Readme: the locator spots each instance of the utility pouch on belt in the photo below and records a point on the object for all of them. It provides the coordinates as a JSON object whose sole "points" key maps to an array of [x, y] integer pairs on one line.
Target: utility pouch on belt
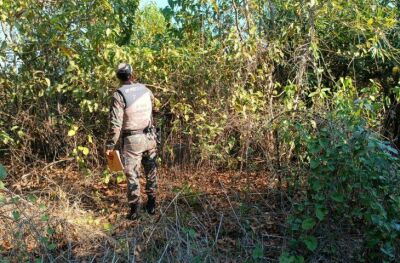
{"points": [[152, 133]]}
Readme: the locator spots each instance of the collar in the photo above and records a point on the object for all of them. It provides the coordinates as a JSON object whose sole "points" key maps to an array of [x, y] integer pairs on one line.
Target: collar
{"points": [[128, 82]]}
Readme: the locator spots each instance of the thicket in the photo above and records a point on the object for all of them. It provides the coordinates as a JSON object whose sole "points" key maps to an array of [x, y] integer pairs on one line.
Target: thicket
{"points": [[308, 90]]}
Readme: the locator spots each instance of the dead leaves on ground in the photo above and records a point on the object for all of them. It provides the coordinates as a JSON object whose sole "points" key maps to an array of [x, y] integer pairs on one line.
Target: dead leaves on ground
{"points": [[88, 210]]}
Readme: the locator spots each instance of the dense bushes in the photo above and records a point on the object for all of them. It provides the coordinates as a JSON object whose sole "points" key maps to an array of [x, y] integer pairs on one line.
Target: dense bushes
{"points": [[346, 202], [250, 85], [247, 64], [353, 182]]}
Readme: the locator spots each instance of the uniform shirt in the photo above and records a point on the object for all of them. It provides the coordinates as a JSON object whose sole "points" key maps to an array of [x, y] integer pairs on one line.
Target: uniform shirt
{"points": [[132, 113]]}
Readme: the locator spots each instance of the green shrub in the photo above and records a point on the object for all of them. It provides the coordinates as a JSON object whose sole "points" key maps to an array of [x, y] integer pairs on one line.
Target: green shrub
{"points": [[353, 181]]}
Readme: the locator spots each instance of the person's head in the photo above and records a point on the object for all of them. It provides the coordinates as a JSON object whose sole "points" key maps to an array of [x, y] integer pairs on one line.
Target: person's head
{"points": [[124, 72]]}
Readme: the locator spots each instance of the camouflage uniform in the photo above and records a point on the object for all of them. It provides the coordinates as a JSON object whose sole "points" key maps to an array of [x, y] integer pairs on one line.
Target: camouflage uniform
{"points": [[138, 147]]}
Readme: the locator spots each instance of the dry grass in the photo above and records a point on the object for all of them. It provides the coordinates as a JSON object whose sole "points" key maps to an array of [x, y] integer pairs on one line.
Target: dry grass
{"points": [[203, 217]]}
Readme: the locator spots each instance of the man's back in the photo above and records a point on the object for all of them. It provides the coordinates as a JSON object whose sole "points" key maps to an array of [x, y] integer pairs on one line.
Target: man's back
{"points": [[138, 106]]}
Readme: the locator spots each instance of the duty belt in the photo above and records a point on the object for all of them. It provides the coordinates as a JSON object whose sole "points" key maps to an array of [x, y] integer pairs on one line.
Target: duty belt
{"points": [[129, 133]]}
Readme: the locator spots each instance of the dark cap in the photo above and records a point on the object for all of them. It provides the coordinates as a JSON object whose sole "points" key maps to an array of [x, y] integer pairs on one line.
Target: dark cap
{"points": [[124, 71], [124, 68]]}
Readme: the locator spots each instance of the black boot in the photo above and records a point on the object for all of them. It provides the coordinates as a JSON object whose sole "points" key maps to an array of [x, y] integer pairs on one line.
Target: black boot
{"points": [[134, 212], [151, 205]]}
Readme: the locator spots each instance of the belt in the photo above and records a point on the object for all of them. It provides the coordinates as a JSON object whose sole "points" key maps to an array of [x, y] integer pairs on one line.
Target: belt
{"points": [[129, 133]]}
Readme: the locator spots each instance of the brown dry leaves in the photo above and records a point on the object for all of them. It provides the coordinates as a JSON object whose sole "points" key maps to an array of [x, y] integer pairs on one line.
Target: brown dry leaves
{"points": [[225, 214]]}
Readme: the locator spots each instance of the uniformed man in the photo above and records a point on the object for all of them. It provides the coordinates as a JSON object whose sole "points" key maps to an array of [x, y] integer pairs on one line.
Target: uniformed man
{"points": [[131, 118]]}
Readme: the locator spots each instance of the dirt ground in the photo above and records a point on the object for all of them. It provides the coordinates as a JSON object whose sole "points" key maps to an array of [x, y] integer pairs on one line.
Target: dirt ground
{"points": [[202, 216]]}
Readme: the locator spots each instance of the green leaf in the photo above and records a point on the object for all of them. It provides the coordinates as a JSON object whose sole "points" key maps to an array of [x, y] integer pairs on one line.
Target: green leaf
{"points": [[50, 231], [287, 258], [107, 226], [396, 226], [192, 233], [314, 164], [44, 218], [338, 197], [388, 250], [120, 178], [308, 223], [316, 185], [47, 82], [2, 186], [16, 215], [32, 198], [3, 172], [73, 130], [85, 150], [106, 178], [319, 197], [257, 253], [310, 242], [320, 213], [51, 246], [71, 133], [44, 240], [313, 147]]}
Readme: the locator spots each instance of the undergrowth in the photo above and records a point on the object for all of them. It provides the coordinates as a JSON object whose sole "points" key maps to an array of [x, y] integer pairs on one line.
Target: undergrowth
{"points": [[213, 218], [350, 191]]}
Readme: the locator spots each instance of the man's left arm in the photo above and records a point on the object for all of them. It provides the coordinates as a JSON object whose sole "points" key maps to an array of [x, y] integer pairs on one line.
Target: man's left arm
{"points": [[116, 120]]}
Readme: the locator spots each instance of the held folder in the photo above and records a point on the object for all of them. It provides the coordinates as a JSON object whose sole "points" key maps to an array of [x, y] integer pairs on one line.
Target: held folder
{"points": [[114, 161]]}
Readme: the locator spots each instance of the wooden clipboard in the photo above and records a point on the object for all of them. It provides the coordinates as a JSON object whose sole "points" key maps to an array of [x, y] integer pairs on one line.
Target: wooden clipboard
{"points": [[114, 161]]}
